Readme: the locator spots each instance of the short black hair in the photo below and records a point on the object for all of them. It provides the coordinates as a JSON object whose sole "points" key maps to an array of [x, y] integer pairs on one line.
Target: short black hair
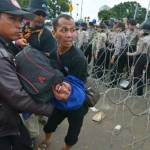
{"points": [[120, 25], [103, 26], [40, 13], [56, 20], [132, 22], [91, 24]]}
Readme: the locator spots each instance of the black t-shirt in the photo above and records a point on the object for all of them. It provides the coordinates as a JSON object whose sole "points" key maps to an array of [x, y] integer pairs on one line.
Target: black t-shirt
{"points": [[44, 42], [74, 62]]}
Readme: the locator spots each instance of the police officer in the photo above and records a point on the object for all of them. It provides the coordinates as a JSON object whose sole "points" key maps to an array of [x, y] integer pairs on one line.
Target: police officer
{"points": [[132, 36], [82, 37], [100, 51], [88, 51], [119, 55], [142, 56], [13, 99]]}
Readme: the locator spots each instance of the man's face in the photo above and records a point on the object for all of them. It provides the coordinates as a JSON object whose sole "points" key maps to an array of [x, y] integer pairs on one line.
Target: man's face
{"points": [[117, 29], [37, 21], [62, 91], [65, 33], [10, 26], [131, 27]]}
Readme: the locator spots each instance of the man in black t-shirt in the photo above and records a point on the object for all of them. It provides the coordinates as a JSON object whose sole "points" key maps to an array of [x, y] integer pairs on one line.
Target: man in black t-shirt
{"points": [[37, 34], [73, 62]]}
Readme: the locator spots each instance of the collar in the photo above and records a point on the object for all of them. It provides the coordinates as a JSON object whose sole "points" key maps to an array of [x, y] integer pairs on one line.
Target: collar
{"points": [[3, 42], [7, 46], [65, 51]]}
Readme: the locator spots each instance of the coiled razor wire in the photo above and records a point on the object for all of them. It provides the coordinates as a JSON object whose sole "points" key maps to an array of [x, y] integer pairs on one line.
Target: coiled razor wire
{"points": [[128, 102]]}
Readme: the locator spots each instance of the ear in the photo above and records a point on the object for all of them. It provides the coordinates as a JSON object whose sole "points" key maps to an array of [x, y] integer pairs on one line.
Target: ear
{"points": [[53, 33]]}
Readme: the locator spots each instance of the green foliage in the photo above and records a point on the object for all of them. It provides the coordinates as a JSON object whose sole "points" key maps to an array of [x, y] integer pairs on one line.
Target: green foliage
{"points": [[23, 3], [105, 14], [56, 7], [122, 10]]}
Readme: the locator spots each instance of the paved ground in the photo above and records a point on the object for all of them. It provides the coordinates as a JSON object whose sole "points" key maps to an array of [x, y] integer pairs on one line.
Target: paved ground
{"points": [[135, 127]]}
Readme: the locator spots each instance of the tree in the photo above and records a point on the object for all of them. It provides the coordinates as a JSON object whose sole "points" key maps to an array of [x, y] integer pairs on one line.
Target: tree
{"points": [[23, 3], [123, 10], [56, 7], [104, 15]]}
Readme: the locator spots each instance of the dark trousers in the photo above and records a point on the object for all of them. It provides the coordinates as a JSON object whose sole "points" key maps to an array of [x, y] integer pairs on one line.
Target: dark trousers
{"points": [[75, 119], [99, 63], [130, 59], [148, 71], [120, 63], [88, 53], [140, 62], [20, 142]]}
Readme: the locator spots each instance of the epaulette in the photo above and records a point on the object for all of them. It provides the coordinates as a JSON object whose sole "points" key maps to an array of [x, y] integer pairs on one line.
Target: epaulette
{"points": [[3, 52]]}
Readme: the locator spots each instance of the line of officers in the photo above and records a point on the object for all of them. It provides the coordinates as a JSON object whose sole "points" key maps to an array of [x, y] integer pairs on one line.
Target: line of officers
{"points": [[123, 46]]}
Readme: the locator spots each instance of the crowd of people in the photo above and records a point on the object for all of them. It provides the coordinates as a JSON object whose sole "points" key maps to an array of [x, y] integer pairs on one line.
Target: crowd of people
{"points": [[120, 49], [68, 95], [71, 47]]}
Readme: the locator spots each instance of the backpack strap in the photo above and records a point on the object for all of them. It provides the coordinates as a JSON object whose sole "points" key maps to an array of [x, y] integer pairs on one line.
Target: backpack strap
{"points": [[4, 54], [65, 69]]}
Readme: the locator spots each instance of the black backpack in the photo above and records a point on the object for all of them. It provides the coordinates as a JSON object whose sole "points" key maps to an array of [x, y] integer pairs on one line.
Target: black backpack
{"points": [[37, 73]]}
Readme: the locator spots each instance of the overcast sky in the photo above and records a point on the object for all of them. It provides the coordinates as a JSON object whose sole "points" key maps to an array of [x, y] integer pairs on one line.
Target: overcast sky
{"points": [[91, 7]]}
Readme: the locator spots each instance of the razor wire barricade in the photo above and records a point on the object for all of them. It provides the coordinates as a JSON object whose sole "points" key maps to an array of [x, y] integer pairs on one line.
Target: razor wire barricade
{"points": [[126, 110]]}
